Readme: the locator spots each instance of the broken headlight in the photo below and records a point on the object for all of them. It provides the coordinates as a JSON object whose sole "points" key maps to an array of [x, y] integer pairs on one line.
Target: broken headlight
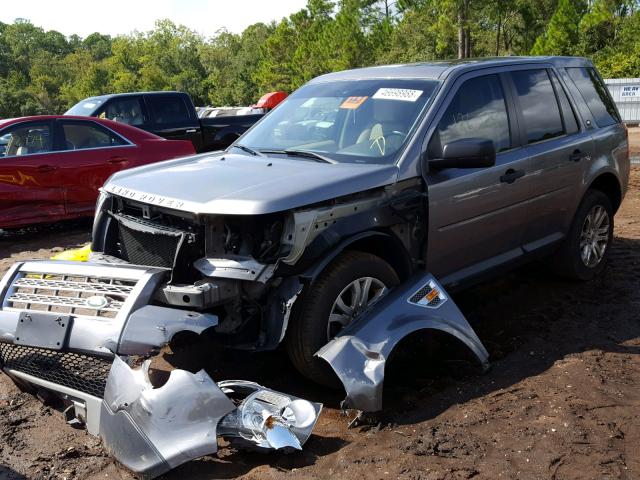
{"points": [[265, 419]]}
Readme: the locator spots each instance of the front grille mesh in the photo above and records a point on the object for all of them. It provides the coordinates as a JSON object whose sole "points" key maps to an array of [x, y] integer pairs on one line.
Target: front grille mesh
{"points": [[145, 246], [68, 294], [85, 373]]}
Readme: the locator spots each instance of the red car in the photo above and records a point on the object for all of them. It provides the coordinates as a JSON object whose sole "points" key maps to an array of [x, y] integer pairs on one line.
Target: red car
{"points": [[52, 166]]}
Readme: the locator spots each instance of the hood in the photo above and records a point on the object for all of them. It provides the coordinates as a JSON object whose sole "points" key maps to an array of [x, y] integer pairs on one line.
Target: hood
{"points": [[236, 184]]}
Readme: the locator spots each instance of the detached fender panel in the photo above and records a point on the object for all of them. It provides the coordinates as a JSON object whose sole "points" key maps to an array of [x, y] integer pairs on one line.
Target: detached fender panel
{"points": [[359, 354]]}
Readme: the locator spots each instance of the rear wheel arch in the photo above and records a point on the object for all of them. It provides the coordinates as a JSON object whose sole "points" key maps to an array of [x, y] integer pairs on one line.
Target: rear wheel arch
{"points": [[608, 184]]}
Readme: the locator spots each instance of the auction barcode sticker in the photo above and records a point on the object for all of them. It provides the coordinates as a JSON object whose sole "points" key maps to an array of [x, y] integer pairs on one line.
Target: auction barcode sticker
{"points": [[404, 94]]}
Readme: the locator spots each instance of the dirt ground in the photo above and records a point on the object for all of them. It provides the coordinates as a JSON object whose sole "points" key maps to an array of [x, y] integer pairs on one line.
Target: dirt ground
{"points": [[561, 401]]}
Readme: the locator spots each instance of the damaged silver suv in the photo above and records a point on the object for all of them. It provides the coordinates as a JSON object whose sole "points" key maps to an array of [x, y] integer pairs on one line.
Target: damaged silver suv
{"points": [[334, 225]]}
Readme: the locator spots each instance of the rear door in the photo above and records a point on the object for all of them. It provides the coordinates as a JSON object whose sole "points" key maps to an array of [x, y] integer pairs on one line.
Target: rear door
{"points": [[30, 188], [174, 118], [91, 154], [476, 216], [557, 148]]}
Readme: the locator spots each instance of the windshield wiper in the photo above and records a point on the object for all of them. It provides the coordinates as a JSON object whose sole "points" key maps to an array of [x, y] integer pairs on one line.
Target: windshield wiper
{"points": [[302, 153], [250, 151]]}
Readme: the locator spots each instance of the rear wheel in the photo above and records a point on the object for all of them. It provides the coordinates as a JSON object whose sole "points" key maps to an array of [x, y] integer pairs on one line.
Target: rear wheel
{"points": [[349, 285], [585, 251]]}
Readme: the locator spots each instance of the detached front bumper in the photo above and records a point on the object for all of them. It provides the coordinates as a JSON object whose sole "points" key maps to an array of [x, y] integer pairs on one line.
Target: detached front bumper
{"points": [[61, 323], [68, 328]]}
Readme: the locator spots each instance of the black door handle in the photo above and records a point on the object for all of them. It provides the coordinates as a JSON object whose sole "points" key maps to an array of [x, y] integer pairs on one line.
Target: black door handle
{"points": [[511, 175], [46, 168], [576, 156]]}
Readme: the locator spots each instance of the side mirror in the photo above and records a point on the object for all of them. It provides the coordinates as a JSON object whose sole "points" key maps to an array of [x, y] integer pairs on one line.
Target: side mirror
{"points": [[466, 153]]}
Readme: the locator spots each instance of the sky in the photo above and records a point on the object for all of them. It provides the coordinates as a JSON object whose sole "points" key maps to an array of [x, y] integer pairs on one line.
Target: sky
{"points": [[115, 17]]}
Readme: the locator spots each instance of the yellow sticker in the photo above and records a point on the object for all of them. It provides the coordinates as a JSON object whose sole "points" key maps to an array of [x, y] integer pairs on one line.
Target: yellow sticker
{"points": [[353, 102]]}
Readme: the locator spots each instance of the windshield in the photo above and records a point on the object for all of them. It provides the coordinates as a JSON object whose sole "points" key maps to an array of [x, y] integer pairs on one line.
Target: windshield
{"points": [[85, 108], [357, 121]]}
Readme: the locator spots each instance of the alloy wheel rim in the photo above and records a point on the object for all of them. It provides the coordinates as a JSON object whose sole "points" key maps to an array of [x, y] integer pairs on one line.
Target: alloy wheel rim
{"points": [[355, 298], [594, 237]]}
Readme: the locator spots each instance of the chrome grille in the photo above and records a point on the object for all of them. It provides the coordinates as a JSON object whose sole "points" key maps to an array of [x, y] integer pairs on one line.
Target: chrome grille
{"points": [[69, 286], [68, 294]]}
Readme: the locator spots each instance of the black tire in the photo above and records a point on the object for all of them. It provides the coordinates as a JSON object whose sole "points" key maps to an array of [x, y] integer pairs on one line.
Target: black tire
{"points": [[568, 261], [307, 331]]}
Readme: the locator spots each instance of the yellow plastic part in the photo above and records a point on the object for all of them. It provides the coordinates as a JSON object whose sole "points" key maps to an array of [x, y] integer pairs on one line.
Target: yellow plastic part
{"points": [[76, 255]]}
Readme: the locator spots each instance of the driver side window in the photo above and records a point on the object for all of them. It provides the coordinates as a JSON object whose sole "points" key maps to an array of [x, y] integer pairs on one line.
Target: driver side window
{"points": [[478, 110]]}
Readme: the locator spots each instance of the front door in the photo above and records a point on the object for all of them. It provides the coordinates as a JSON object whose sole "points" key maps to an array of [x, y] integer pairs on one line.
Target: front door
{"points": [[30, 190], [476, 216]]}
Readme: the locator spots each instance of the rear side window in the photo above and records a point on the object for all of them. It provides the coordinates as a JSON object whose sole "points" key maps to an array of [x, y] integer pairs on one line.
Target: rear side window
{"points": [[568, 115], [168, 109], [83, 135], [478, 110], [538, 103], [595, 94]]}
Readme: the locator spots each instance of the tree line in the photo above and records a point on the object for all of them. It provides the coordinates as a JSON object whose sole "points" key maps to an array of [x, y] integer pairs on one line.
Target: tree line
{"points": [[47, 72]]}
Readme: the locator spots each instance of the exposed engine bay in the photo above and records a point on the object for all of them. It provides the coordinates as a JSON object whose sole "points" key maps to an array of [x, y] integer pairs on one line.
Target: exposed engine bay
{"points": [[248, 270]]}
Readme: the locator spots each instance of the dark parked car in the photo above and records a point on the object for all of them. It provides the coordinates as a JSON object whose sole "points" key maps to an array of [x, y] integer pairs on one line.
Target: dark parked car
{"points": [[168, 114], [51, 167]]}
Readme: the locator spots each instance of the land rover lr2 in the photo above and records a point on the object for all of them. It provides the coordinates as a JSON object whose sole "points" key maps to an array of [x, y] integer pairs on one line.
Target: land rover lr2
{"points": [[335, 224]]}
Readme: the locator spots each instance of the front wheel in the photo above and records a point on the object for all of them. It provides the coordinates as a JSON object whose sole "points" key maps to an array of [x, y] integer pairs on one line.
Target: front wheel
{"points": [[585, 251], [349, 285]]}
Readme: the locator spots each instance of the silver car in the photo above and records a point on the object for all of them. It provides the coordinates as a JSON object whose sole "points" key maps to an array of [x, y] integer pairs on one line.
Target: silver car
{"points": [[336, 224]]}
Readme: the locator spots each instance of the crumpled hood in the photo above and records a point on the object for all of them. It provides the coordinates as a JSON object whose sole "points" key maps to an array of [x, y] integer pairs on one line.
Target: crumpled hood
{"points": [[223, 183]]}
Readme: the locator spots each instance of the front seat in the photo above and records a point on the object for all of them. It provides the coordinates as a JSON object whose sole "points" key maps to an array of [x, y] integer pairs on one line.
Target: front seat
{"points": [[387, 115], [22, 151]]}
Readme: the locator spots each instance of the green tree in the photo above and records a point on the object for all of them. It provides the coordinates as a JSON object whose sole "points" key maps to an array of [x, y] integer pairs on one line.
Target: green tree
{"points": [[561, 37]]}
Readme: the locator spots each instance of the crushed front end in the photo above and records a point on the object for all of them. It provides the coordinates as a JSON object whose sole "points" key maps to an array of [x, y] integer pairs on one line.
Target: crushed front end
{"points": [[75, 330]]}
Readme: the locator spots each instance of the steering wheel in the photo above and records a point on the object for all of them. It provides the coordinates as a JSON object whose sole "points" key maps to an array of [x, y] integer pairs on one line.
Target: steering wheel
{"points": [[381, 141]]}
